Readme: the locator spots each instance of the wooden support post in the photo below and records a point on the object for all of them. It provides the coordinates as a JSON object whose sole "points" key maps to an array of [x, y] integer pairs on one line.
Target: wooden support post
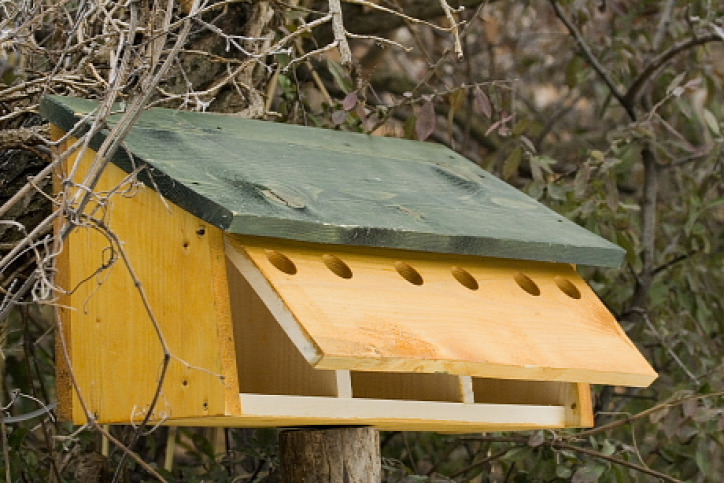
{"points": [[332, 454]]}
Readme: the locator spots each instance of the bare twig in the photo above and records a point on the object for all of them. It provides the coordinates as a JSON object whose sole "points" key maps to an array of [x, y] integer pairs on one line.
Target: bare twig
{"points": [[340, 34], [560, 444], [646, 413], [659, 61], [402, 15], [23, 137], [453, 28], [591, 57], [615, 460]]}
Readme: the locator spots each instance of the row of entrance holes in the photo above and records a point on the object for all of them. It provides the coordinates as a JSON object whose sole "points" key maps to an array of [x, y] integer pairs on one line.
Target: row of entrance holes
{"points": [[337, 266]]}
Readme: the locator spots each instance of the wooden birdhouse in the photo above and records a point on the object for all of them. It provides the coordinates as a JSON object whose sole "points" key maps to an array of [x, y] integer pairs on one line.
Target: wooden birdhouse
{"points": [[299, 276]]}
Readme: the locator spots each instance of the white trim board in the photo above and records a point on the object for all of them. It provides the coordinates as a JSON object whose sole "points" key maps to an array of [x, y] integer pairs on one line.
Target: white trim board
{"points": [[371, 411]]}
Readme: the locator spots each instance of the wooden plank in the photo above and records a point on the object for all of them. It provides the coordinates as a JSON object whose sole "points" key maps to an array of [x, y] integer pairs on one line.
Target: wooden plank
{"points": [[224, 322], [579, 406], [344, 383], [270, 179], [395, 415], [248, 274], [268, 362], [410, 386], [67, 404], [523, 320], [508, 391], [116, 353], [574, 397], [467, 394], [403, 415]]}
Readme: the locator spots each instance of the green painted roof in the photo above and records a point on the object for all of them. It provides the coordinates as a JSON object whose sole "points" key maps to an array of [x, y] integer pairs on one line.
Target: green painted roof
{"points": [[279, 180]]}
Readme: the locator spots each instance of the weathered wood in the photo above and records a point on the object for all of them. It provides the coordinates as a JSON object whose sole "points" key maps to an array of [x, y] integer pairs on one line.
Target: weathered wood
{"points": [[269, 179], [330, 455], [402, 311]]}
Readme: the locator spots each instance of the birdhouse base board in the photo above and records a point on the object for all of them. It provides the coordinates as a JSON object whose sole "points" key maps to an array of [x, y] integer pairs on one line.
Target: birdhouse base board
{"points": [[264, 410]]}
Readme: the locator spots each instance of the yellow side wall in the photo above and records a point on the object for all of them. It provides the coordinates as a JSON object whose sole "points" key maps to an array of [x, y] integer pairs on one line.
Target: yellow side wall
{"points": [[115, 349]]}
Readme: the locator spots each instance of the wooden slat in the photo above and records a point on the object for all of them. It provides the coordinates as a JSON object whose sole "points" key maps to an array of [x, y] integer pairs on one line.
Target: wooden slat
{"points": [[270, 179], [67, 404], [268, 362], [267, 410], [344, 383], [379, 321], [466, 389], [579, 406], [116, 353]]}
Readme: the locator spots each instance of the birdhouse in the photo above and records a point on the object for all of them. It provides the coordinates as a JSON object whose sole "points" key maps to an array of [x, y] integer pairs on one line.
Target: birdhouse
{"points": [[263, 274]]}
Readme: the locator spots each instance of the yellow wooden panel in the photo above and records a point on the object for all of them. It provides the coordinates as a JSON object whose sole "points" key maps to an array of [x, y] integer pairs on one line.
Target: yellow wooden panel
{"points": [[115, 349], [396, 311], [64, 382]]}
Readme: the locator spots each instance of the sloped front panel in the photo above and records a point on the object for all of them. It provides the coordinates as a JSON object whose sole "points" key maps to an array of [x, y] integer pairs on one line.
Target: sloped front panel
{"points": [[396, 311]]}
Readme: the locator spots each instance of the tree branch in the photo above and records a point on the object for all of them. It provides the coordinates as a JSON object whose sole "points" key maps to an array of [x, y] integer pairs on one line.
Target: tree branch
{"points": [[649, 203], [381, 19], [644, 414], [453, 26], [23, 137], [340, 35], [659, 61], [614, 459], [588, 53], [558, 444]]}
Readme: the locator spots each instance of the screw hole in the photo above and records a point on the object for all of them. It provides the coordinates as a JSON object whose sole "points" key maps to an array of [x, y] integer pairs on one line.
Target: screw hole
{"points": [[567, 287], [185, 382], [525, 282], [337, 266], [574, 406], [464, 277], [201, 231], [281, 262], [186, 244], [407, 272]]}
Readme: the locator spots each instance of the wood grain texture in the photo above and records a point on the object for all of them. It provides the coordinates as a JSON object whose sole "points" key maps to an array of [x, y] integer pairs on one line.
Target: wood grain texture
{"points": [[268, 362], [406, 386], [280, 388], [116, 354], [269, 179], [330, 455], [67, 404], [378, 320], [574, 397]]}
